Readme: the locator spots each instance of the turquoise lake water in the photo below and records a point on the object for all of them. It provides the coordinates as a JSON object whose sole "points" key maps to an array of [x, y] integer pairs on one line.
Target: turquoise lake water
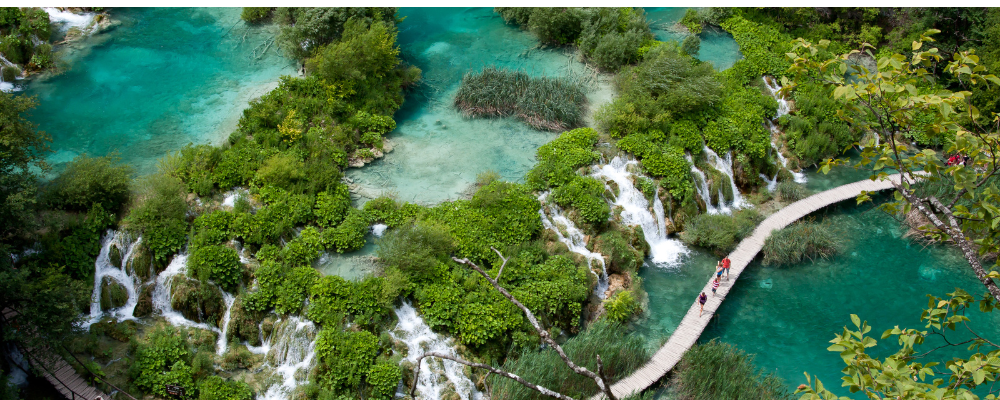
{"points": [[717, 47], [787, 315], [163, 78]]}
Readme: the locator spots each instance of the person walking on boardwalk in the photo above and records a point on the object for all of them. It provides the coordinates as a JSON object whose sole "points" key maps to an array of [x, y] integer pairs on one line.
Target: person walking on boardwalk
{"points": [[726, 263], [719, 267], [702, 298], [715, 284]]}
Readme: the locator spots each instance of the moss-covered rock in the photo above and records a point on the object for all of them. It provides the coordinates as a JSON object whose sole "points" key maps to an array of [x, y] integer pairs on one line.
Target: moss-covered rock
{"points": [[243, 324], [197, 301], [144, 306], [141, 263], [115, 256], [113, 294], [120, 331]]}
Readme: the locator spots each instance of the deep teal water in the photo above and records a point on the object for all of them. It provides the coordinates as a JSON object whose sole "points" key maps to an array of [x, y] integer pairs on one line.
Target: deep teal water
{"points": [[165, 77], [717, 47], [787, 315]]}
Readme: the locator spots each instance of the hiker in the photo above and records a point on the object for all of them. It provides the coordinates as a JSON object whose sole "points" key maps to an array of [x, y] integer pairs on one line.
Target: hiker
{"points": [[715, 285], [719, 267], [702, 298], [726, 263], [954, 159]]}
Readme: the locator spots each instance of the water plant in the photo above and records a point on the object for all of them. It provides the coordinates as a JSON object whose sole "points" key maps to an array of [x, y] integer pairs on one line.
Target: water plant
{"points": [[719, 232], [800, 241], [554, 104], [717, 370]]}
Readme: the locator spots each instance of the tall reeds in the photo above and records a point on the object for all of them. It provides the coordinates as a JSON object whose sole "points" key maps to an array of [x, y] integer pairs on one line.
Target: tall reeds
{"points": [[714, 370], [800, 241], [554, 104]]}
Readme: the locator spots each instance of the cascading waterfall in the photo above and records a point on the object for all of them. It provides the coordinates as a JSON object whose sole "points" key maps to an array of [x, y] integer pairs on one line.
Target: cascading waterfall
{"points": [[783, 108], [293, 355], [701, 186], [103, 268], [161, 302], [419, 338], [725, 166], [573, 238], [664, 251], [66, 19]]}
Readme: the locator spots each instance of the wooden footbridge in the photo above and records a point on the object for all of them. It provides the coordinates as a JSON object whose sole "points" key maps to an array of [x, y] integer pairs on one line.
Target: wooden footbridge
{"points": [[693, 325], [58, 372]]}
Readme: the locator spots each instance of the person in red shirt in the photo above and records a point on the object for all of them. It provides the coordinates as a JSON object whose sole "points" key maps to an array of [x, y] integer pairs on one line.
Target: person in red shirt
{"points": [[726, 263]]}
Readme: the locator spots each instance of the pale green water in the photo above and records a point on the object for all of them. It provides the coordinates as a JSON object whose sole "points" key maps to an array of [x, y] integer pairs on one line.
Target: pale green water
{"points": [[787, 315], [717, 47], [165, 77], [438, 152]]}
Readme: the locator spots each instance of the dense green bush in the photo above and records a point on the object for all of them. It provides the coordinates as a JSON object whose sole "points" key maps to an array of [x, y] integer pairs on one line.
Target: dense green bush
{"points": [[306, 29], [26, 33], [382, 379], [611, 37], [91, 180], [218, 263], [417, 250], [693, 21], [621, 307], [718, 232], [586, 195], [500, 214], [215, 388], [559, 159], [621, 355], [622, 256], [691, 45], [790, 191], [345, 356], [161, 359], [158, 211], [799, 241], [256, 14], [716, 370], [390, 212]]}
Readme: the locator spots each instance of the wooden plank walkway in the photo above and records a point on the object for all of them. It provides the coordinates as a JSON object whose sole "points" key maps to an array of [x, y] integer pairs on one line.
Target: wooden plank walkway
{"points": [[693, 325], [58, 372]]}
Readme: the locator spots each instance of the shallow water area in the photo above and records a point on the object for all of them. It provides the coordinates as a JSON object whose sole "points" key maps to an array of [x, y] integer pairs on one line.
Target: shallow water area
{"points": [[164, 77], [786, 315], [717, 47], [437, 152]]}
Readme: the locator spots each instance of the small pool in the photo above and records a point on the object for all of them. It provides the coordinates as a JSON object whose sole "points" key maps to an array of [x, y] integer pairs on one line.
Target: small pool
{"points": [[717, 47]]}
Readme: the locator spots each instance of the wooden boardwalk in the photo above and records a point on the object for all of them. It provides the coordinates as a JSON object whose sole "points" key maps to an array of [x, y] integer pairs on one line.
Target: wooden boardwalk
{"points": [[58, 372], [692, 325]]}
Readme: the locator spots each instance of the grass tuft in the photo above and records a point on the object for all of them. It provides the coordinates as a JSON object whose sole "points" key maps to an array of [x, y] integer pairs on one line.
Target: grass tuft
{"points": [[554, 104], [800, 241], [715, 370]]}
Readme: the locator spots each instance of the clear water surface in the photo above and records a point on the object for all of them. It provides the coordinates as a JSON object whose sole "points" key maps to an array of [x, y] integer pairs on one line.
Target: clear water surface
{"points": [[163, 78], [717, 47]]}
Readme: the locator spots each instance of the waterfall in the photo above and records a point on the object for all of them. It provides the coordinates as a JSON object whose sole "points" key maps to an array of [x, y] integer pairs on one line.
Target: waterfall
{"points": [[103, 268], [725, 166], [379, 229], [161, 302], [573, 238], [636, 211], [418, 337], [6, 87], [701, 187], [66, 19], [783, 108], [294, 353], [230, 197]]}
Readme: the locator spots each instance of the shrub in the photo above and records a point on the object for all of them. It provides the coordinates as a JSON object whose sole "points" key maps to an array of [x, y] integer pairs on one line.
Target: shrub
{"points": [[218, 263], [213, 387], [158, 212], [256, 14], [611, 37], [390, 212], [417, 250], [558, 159], [195, 164], [615, 50], [382, 380], [691, 45], [697, 376], [91, 180], [621, 354], [586, 195], [799, 241], [621, 307], [306, 29], [621, 255], [160, 360], [720, 233], [281, 170], [350, 234], [692, 21], [345, 357]]}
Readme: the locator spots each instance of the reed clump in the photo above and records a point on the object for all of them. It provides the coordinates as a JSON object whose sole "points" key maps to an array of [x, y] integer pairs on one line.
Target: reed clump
{"points": [[717, 370], [800, 241], [554, 104], [622, 354]]}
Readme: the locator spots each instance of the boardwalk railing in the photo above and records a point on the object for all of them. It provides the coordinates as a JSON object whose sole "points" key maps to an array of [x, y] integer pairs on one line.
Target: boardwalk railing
{"points": [[693, 325]]}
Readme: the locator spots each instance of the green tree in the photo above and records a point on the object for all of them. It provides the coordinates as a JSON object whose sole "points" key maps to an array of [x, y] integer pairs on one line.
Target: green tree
{"points": [[21, 152], [900, 99]]}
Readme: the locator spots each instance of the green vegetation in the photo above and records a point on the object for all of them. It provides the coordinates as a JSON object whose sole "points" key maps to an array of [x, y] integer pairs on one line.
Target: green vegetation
{"points": [[608, 37], [621, 307], [255, 15], [799, 241], [720, 233], [89, 181], [621, 354], [717, 370], [24, 41], [554, 104], [308, 29]]}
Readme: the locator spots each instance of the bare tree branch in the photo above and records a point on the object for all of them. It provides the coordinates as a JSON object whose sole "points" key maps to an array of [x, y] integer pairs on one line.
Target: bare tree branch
{"points": [[501, 265], [539, 389]]}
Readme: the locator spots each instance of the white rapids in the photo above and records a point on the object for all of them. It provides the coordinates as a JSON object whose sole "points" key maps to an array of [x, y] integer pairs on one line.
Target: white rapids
{"points": [[435, 373]]}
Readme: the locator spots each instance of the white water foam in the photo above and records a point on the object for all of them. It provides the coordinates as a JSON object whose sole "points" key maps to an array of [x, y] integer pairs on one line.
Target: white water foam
{"points": [[664, 251], [379, 229], [161, 302], [725, 166], [573, 238], [783, 108], [65, 19], [230, 198], [419, 338], [104, 268], [293, 353], [701, 187]]}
